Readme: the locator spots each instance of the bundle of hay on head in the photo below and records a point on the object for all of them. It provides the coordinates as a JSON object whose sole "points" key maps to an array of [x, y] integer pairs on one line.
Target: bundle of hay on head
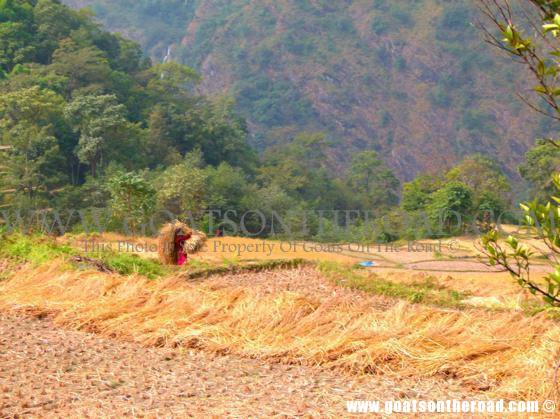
{"points": [[196, 242], [176, 240], [168, 251]]}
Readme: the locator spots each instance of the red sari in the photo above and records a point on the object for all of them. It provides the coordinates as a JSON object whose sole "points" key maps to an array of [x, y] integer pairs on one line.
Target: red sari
{"points": [[180, 240]]}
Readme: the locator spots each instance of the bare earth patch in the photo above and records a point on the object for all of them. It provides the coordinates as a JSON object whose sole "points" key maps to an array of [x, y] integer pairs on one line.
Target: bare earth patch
{"points": [[47, 371]]}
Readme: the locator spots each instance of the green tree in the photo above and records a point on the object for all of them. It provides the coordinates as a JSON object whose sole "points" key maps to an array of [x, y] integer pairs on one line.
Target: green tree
{"points": [[226, 187], [373, 181], [220, 134], [490, 187], [27, 121], [450, 206], [132, 198], [53, 22], [181, 188], [33, 161], [273, 203], [96, 119], [171, 80], [163, 134], [300, 169], [539, 163], [16, 33], [416, 195], [85, 68]]}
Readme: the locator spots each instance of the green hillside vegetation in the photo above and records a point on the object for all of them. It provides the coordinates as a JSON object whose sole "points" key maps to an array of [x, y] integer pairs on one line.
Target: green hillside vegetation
{"points": [[90, 123], [78, 103], [412, 80]]}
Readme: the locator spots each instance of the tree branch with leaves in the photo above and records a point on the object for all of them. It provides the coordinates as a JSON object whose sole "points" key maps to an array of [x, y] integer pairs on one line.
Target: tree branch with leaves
{"points": [[540, 53], [530, 32]]}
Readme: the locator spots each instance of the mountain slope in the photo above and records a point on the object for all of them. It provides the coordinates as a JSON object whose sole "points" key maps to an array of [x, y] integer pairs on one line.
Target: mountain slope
{"points": [[412, 80]]}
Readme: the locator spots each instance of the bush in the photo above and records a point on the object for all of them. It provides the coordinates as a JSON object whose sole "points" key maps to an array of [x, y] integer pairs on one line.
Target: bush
{"points": [[36, 249], [130, 264], [450, 207]]}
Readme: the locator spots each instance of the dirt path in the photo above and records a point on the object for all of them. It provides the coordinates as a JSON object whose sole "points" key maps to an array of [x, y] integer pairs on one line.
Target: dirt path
{"points": [[46, 371]]}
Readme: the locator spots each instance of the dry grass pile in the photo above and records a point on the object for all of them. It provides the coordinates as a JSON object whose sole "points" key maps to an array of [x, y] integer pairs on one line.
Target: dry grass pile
{"points": [[166, 241], [196, 242], [504, 353]]}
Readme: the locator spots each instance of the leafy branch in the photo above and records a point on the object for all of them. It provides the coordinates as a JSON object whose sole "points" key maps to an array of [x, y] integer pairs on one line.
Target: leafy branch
{"points": [[515, 257], [540, 54]]}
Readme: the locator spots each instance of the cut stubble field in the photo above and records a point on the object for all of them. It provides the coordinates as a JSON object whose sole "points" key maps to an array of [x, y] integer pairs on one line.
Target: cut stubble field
{"points": [[393, 332]]}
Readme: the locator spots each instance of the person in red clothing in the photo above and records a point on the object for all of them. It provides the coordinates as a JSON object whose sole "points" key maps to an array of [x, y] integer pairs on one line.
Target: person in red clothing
{"points": [[180, 238], [174, 241]]}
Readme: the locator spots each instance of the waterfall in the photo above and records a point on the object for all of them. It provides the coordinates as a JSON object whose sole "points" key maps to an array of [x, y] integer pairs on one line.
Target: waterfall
{"points": [[167, 57]]}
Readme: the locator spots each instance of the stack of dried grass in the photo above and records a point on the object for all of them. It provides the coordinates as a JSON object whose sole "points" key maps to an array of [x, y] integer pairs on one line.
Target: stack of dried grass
{"points": [[195, 243], [166, 241]]}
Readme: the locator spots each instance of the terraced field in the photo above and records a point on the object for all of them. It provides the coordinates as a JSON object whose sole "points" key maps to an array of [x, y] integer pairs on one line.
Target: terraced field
{"points": [[264, 332]]}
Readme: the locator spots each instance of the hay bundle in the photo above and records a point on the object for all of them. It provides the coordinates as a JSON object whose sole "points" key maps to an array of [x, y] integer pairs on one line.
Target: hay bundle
{"points": [[195, 243], [166, 241]]}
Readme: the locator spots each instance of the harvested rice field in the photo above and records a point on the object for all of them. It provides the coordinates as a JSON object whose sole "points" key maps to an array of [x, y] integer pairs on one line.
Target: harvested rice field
{"points": [[53, 372], [239, 336]]}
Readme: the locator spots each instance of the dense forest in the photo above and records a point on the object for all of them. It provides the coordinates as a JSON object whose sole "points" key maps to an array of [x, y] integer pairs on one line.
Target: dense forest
{"points": [[412, 80], [89, 122]]}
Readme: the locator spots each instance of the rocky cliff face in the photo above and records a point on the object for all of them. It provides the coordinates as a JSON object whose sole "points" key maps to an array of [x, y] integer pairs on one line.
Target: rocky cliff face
{"points": [[410, 79]]}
